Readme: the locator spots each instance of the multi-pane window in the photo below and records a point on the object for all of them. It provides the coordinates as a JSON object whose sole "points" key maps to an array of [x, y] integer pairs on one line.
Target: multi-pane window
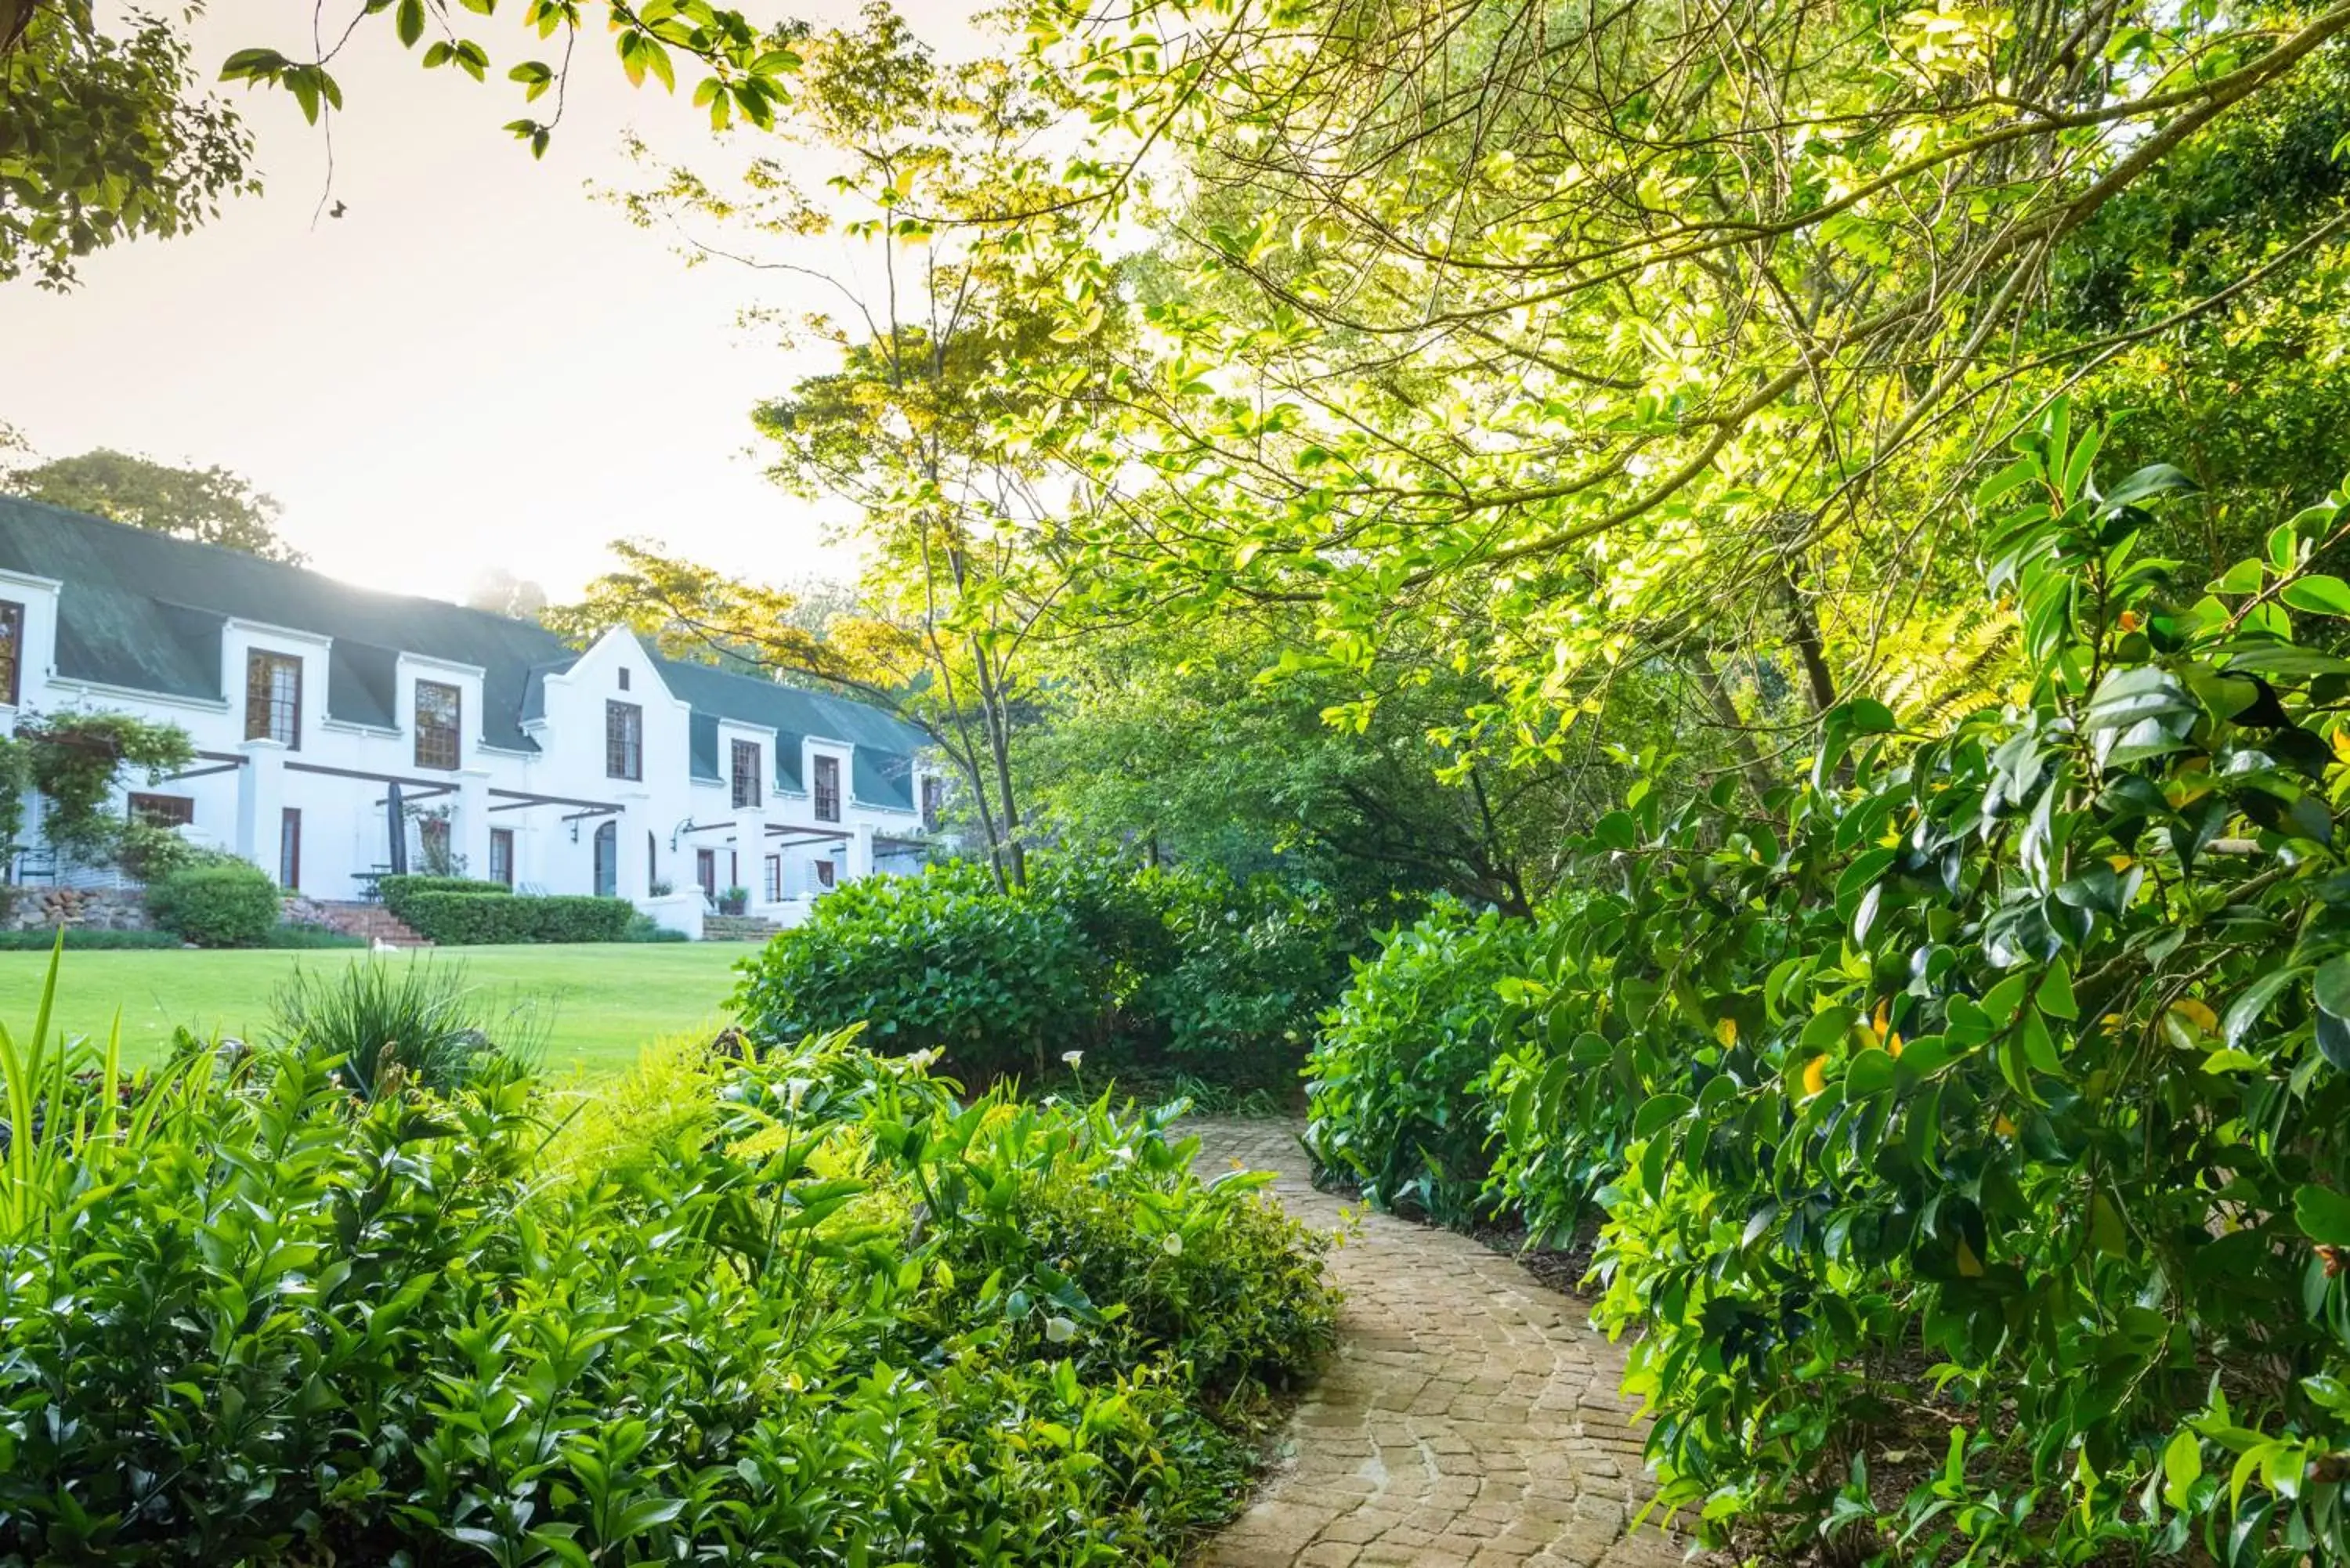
{"points": [[162, 810], [775, 879], [824, 873], [934, 801], [12, 652], [624, 740], [501, 856], [440, 713], [273, 697], [746, 773], [290, 848], [827, 789]]}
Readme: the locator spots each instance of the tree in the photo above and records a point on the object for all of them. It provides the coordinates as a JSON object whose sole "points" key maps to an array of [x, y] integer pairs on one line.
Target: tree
{"points": [[1659, 336], [500, 592], [932, 350], [108, 136], [210, 505]]}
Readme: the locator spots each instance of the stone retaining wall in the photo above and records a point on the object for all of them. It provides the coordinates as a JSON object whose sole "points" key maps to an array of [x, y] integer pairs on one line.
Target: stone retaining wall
{"points": [[76, 909]]}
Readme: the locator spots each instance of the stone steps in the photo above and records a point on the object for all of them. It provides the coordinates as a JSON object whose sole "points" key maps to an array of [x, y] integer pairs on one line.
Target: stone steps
{"points": [[372, 922], [737, 929]]}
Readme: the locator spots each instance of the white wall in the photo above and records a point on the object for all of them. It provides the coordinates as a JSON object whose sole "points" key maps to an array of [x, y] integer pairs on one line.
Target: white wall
{"points": [[343, 823]]}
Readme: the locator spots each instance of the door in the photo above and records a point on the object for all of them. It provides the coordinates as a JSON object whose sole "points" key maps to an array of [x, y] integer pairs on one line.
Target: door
{"points": [[705, 872], [501, 856], [290, 848], [607, 859]]}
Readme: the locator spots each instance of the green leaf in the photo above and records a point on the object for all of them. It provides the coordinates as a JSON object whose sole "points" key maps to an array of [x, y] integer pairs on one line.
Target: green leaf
{"points": [[409, 22], [2322, 1214], [2245, 1012], [2318, 594], [2153, 479], [1658, 1111], [2331, 988], [2055, 993]]}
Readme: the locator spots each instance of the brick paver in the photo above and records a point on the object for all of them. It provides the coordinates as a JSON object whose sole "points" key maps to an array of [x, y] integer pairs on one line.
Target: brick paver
{"points": [[1470, 1416]]}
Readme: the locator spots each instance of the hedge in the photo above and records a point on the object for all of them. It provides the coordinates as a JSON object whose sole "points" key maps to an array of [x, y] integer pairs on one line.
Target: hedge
{"points": [[476, 919], [396, 891]]}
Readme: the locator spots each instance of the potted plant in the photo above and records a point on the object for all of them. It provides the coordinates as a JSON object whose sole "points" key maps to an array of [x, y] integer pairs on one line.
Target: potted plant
{"points": [[734, 900]]}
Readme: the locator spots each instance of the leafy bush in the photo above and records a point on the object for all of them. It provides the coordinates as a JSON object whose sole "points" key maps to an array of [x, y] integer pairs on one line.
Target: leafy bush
{"points": [[1162, 968], [1257, 964], [940, 962], [224, 904], [396, 891], [1397, 1081], [478, 920], [1988, 1097], [367, 1017], [831, 1320]]}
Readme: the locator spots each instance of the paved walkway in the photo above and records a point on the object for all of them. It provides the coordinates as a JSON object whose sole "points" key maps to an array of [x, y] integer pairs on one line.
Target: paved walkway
{"points": [[1470, 1416]]}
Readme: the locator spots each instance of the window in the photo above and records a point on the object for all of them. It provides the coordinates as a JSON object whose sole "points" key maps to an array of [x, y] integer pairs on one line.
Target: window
{"points": [[624, 678], [501, 856], [934, 801], [162, 810], [290, 848], [624, 740], [827, 791], [273, 697], [607, 859], [433, 839], [705, 872], [440, 708], [12, 652], [824, 873], [746, 773], [775, 879]]}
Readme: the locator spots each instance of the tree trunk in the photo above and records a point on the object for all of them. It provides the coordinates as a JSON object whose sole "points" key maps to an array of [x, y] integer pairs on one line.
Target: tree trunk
{"points": [[1725, 713]]}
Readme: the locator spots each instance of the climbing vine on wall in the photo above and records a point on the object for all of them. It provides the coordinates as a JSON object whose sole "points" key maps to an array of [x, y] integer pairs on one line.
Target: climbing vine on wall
{"points": [[75, 761]]}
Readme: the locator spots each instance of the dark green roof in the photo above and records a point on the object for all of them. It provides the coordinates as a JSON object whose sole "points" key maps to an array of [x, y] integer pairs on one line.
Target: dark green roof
{"points": [[144, 611], [882, 770]]}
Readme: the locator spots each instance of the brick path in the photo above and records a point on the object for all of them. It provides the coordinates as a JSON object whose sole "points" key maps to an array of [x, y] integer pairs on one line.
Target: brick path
{"points": [[1469, 1417]]}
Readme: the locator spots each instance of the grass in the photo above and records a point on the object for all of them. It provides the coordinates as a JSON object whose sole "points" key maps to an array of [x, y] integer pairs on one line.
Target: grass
{"points": [[602, 1002]]}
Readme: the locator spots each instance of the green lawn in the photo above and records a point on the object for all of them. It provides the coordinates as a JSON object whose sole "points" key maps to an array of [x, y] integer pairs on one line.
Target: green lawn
{"points": [[601, 1001]]}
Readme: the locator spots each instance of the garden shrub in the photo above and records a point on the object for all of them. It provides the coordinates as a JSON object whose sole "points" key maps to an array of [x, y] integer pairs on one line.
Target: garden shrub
{"points": [[224, 904], [397, 890], [1000, 982], [832, 1320], [1163, 969], [1257, 964], [1397, 1081], [1983, 1102], [479, 919]]}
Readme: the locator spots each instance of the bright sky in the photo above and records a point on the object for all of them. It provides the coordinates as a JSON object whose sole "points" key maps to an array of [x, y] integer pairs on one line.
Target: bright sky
{"points": [[478, 366]]}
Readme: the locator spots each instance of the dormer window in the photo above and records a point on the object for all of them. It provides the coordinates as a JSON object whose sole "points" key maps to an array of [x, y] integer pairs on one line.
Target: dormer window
{"points": [[827, 789], [440, 711], [273, 697]]}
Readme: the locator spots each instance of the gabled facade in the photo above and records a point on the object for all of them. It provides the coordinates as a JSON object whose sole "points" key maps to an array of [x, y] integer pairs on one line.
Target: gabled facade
{"points": [[319, 709]]}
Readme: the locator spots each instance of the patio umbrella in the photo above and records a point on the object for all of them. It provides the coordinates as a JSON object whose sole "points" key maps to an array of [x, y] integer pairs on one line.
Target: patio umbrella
{"points": [[395, 812]]}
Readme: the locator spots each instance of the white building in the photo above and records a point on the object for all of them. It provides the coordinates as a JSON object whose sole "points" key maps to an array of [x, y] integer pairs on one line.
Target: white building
{"points": [[317, 709]]}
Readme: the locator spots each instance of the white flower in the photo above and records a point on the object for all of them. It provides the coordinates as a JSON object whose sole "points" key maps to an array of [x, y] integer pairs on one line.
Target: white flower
{"points": [[1071, 1058], [1060, 1330], [1172, 1246]]}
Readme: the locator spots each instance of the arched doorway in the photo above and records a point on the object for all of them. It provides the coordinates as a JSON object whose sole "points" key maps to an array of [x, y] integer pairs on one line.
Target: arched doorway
{"points": [[607, 859]]}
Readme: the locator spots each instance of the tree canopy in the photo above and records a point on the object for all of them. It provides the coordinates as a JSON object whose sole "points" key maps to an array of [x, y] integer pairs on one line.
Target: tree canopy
{"points": [[210, 505]]}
